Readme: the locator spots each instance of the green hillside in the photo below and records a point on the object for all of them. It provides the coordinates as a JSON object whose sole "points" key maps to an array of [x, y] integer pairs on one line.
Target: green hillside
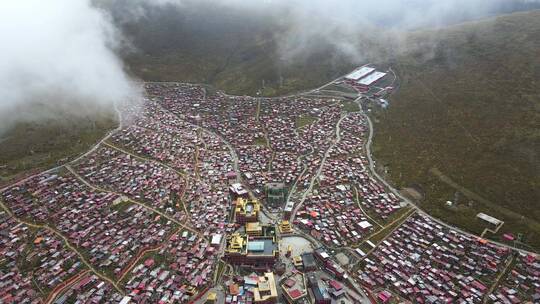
{"points": [[33, 146], [468, 121], [229, 49]]}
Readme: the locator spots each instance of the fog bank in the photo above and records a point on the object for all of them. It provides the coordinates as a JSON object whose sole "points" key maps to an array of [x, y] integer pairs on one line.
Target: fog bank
{"points": [[58, 52]]}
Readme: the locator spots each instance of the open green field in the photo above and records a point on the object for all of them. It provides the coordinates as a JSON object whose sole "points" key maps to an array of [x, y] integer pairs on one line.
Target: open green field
{"points": [[350, 106], [465, 125], [306, 120]]}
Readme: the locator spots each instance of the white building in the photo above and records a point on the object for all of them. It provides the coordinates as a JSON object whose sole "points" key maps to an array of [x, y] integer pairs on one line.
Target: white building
{"points": [[371, 78], [359, 73]]}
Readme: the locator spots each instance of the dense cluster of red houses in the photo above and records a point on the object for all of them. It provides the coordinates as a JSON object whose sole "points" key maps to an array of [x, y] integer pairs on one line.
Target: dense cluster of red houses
{"points": [[338, 211], [522, 283], [111, 231], [89, 288], [263, 132], [425, 262], [201, 159], [175, 273], [141, 180], [121, 208], [32, 261], [333, 216]]}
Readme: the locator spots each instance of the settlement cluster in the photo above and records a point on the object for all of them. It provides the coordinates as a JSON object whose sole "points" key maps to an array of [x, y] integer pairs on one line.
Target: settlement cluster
{"points": [[203, 197]]}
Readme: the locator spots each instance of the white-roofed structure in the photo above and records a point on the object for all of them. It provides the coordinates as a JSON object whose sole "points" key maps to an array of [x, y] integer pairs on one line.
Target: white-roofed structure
{"points": [[360, 252], [359, 73], [216, 240], [365, 225], [289, 207], [325, 255], [125, 300], [490, 219], [371, 78], [238, 189]]}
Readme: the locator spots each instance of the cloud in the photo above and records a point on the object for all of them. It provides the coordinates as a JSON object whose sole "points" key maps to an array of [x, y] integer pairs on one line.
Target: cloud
{"points": [[347, 24], [58, 51]]}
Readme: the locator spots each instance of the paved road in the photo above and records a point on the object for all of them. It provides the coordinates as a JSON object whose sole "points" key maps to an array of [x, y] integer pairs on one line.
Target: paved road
{"points": [[229, 146], [359, 293], [144, 158], [299, 163], [59, 289], [219, 293]]}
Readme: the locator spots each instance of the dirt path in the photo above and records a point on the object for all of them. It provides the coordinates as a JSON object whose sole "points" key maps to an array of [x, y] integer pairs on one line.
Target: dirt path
{"points": [[67, 243]]}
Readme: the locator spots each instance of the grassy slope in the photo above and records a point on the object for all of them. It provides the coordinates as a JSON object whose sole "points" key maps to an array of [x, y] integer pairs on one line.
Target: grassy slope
{"points": [[472, 112], [41, 145], [240, 72]]}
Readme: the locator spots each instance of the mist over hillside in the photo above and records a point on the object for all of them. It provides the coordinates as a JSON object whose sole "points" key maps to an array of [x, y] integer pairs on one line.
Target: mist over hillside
{"points": [[237, 46], [58, 53]]}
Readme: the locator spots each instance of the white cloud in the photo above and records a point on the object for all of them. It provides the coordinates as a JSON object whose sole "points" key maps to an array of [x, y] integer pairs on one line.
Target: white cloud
{"points": [[58, 49]]}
